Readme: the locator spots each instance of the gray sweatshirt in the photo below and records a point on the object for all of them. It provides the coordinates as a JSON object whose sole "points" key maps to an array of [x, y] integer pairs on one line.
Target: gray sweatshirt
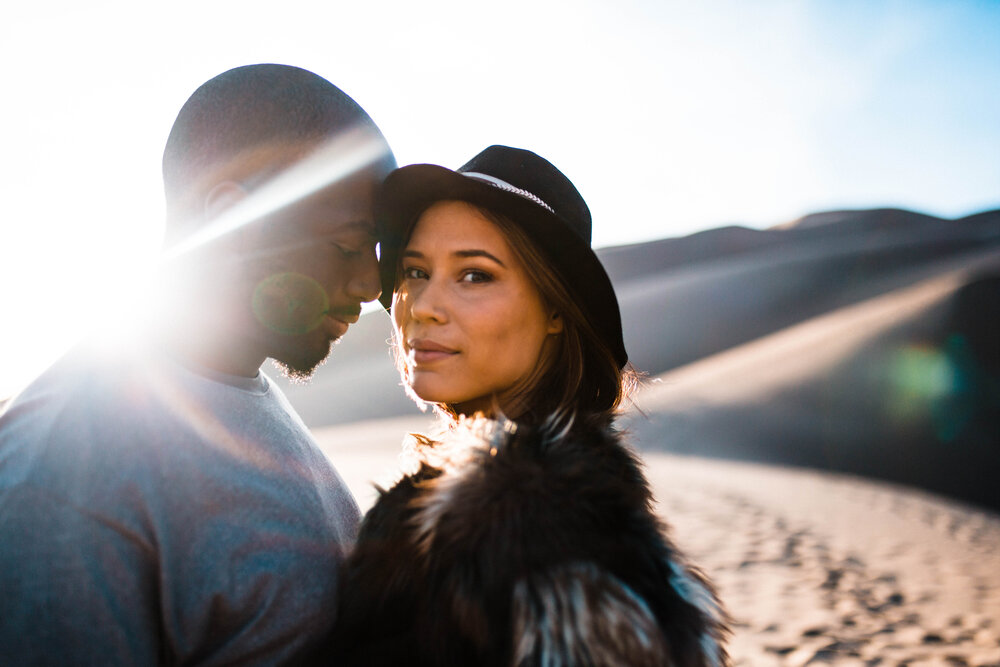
{"points": [[150, 514]]}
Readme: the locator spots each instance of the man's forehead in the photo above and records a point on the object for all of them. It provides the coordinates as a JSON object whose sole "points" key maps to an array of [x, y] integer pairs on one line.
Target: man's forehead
{"points": [[360, 227], [349, 202], [316, 168], [319, 231]]}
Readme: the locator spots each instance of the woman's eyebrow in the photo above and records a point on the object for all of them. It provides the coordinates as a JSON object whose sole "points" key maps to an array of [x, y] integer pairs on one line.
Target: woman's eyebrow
{"points": [[479, 253], [416, 254]]}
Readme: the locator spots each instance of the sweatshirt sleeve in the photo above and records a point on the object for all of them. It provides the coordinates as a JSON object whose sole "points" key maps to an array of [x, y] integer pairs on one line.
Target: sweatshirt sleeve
{"points": [[83, 585]]}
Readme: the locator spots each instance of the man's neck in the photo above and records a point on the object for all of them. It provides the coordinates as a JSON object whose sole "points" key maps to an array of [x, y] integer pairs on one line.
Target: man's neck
{"points": [[211, 347]]}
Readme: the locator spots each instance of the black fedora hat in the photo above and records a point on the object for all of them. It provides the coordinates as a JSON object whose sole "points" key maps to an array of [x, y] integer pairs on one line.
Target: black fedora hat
{"points": [[530, 191]]}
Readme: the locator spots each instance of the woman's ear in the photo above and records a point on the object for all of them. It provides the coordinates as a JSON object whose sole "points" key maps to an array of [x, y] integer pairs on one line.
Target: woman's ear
{"points": [[555, 323]]}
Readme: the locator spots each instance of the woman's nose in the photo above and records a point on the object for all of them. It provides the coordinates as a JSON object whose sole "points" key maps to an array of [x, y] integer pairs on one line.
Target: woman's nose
{"points": [[427, 302]]}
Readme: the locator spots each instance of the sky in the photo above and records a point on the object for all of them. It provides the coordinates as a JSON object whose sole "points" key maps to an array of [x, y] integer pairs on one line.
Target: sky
{"points": [[670, 117]]}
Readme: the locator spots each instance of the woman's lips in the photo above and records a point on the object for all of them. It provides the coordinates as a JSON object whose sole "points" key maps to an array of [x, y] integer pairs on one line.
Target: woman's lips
{"points": [[425, 351]]}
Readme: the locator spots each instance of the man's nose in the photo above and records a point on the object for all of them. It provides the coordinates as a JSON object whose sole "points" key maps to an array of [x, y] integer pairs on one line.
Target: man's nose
{"points": [[365, 284]]}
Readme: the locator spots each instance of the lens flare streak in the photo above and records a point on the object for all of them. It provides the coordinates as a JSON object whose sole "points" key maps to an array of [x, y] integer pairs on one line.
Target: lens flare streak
{"points": [[334, 161]]}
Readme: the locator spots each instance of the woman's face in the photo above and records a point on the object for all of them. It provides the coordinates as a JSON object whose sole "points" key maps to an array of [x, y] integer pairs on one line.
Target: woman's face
{"points": [[470, 323]]}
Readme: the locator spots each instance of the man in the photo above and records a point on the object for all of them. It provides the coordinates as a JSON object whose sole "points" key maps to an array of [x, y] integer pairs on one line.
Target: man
{"points": [[162, 503]]}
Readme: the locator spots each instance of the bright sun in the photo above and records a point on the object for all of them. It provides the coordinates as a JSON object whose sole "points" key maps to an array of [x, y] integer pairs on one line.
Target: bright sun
{"points": [[93, 275], [67, 267]]}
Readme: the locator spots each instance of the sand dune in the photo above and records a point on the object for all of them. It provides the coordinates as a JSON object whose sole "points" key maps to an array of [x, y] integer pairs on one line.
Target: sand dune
{"points": [[815, 568], [868, 389], [757, 370], [689, 310]]}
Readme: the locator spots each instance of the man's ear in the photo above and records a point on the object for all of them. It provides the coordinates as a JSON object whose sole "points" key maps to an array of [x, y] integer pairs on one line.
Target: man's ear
{"points": [[223, 196], [555, 323]]}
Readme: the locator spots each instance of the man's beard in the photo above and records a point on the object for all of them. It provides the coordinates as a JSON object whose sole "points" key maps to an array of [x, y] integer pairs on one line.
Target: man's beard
{"points": [[298, 365]]}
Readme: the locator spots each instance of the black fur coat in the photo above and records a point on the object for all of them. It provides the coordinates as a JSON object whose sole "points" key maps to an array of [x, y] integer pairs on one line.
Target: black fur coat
{"points": [[510, 547]]}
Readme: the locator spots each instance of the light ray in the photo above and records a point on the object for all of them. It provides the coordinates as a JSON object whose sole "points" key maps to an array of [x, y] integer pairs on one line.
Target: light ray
{"points": [[341, 157]]}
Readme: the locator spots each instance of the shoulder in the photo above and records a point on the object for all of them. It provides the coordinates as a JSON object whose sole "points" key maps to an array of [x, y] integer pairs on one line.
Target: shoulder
{"points": [[511, 541], [552, 517], [507, 500], [75, 403], [533, 486]]}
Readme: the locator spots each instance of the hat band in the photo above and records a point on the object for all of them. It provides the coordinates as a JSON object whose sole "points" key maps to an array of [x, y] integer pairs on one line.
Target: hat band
{"points": [[504, 185]]}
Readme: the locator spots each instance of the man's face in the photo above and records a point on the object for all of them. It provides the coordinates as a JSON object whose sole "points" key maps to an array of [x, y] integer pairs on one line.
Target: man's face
{"points": [[315, 269]]}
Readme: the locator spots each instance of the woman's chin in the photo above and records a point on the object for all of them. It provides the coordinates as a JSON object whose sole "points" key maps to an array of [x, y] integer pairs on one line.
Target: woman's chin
{"points": [[430, 394], [459, 403]]}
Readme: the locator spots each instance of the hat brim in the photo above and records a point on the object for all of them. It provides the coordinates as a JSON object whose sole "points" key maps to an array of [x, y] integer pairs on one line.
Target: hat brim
{"points": [[410, 190]]}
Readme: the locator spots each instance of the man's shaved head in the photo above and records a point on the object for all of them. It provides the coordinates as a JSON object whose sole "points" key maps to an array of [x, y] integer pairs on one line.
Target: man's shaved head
{"points": [[234, 125]]}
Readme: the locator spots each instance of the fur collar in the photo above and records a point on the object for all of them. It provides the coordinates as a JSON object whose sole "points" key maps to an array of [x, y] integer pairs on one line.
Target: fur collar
{"points": [[513, 545]]}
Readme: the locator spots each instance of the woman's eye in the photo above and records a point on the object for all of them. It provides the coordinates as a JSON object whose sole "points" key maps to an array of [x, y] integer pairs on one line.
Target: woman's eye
{"points": [[413, 273], [476, 276]]}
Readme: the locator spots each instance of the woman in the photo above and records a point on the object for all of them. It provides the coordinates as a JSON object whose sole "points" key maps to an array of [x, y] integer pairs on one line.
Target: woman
{"points": [[525, 535]]}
